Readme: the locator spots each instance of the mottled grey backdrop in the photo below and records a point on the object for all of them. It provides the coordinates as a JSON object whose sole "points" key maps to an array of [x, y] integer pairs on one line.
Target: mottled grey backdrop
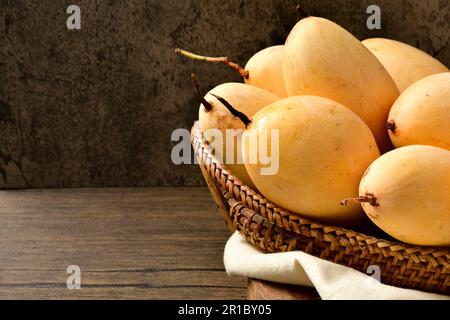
{"points": [[96, 107]]}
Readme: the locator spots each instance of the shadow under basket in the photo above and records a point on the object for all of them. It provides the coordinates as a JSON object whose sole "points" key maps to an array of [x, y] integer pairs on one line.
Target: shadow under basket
{"points": [[274, 229]]}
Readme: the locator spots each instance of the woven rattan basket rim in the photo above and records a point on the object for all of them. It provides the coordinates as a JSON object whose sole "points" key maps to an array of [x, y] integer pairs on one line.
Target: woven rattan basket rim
{"points": [[241, 198]]}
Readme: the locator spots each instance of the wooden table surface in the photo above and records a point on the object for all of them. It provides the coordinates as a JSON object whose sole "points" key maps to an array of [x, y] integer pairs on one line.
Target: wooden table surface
{"points": [[156, 243]]}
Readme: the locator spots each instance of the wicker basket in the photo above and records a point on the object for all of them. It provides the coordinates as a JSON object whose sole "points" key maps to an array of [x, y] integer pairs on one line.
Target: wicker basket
{"points": [[274, 229]]}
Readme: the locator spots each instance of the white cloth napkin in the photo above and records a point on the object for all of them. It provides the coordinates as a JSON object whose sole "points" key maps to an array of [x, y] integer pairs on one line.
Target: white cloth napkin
{"points": [[332, 281]]}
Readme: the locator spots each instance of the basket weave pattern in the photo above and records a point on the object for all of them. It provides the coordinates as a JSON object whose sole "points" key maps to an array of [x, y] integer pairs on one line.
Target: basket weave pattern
{"points": [[273, 229]]}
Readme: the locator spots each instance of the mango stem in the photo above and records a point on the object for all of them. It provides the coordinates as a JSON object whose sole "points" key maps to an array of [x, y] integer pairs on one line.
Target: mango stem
{"points": [[368, 198], [302, 11], [244, 73], [236, 113], [202, 99], [390, 125]]}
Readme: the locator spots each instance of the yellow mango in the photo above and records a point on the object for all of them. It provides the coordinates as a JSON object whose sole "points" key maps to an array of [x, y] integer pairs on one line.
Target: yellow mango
{"points": [[404, 63], [421, 115], [323, 59], [265, 70], [324, 149], [244, 98], [406, 192]]}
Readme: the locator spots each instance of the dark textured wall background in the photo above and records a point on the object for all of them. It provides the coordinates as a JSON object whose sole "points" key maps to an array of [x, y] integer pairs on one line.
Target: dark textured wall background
{"points": [[96, 107]]}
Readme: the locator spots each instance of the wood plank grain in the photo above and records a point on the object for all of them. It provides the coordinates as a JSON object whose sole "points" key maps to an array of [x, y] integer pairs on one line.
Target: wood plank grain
{"points": [[129, 243], [266, 290]]}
